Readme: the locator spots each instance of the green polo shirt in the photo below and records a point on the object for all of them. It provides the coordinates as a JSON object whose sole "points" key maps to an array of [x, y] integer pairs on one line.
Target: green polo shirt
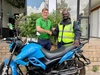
{"points": [[45, 24]]}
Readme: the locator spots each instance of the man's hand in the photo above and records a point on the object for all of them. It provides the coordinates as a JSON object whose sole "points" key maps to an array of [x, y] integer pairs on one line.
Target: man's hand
{"points": [[39, 29], [49, 32], [53, 29], [76, 43]]}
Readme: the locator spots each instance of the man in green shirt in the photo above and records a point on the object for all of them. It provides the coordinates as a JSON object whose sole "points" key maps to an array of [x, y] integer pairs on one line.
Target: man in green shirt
{"points": [[44, 28]]}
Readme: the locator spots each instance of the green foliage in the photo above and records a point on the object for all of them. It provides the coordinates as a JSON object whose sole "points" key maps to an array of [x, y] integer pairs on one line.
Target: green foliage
{"points": [[55, 18], [95, 68], [28, 26], [62, 5], [16, 3]]}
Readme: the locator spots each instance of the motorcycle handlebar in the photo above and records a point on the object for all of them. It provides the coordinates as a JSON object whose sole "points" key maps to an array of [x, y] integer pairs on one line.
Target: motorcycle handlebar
{"points": [[11, 38], [83, 43], [8, 39]]}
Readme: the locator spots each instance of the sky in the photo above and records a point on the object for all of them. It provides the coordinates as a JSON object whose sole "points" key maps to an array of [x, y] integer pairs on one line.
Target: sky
{"points": [[33, 3], [36, 6]]}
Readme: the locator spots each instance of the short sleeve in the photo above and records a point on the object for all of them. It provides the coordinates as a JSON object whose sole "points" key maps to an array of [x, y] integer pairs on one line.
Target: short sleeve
{"points": [[38, 22]]}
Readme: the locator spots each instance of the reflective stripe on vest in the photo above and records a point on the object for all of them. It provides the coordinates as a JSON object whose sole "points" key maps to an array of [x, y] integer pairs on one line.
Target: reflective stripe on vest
{"points": [[67, 35]]}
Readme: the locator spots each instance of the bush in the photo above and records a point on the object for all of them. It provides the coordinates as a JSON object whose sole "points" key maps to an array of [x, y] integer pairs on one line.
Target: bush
{"points": [[95, 68], [28, 25]]}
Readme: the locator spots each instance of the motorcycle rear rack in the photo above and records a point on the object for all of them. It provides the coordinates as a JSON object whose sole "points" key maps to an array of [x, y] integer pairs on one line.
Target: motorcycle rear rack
{"points": [[80, 55]]}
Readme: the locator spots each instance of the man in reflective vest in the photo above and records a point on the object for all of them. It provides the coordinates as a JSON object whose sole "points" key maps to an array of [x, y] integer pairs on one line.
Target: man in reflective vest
{"points": [[68, 32]]}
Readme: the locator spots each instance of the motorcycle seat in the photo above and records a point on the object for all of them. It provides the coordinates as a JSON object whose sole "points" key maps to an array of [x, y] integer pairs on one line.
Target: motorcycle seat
{"points": [[56, 53]]}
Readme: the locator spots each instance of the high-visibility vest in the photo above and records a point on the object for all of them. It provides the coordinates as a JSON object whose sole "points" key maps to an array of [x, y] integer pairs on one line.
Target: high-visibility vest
{"points": [[66, 34]]}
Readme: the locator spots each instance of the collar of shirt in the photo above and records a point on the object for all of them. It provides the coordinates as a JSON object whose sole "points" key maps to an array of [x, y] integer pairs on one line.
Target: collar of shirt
{"points": [[68, 21], [43, 19]]}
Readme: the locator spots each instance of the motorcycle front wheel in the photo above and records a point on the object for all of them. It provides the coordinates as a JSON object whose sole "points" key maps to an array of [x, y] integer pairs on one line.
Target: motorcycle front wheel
{"points": [[9, 72]]}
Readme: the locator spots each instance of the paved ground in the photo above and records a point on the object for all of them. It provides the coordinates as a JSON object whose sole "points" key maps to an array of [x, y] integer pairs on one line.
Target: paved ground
{"points": [[88, 72], [93, 73]]}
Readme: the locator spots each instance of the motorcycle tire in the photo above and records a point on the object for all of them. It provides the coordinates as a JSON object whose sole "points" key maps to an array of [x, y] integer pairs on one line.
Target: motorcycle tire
{"points": [[2, 67], [80, 64], [81, 71]]}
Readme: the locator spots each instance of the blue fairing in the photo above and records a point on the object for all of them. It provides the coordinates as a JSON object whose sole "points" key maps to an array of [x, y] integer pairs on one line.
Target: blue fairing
{"points": [[67, 56], [30, 50], [12, 66]]}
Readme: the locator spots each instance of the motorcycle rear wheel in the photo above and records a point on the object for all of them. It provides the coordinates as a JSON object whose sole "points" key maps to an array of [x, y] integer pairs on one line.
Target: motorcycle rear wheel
{"points": [[79, 64], [81, 71]]}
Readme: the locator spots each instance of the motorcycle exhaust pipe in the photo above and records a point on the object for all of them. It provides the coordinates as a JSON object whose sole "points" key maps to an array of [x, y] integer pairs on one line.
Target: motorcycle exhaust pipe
{"points": [[72, 70]]}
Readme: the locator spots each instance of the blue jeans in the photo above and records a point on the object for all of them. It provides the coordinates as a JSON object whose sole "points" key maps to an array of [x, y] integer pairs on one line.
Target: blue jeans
{"points": [[59, 44], [45, 43]]}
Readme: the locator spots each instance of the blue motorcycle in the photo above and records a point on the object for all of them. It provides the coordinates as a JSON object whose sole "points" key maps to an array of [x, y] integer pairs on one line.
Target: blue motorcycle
{"points": [[39, 61]]}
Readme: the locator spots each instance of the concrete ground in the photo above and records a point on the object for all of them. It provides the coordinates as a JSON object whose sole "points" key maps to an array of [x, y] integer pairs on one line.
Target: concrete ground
{"points": [[92, 73], [3, 43]]}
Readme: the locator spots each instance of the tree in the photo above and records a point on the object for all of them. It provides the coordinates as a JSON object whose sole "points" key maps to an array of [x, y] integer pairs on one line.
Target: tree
{"points": [[16, 3], [62, 5], [28, 25]]}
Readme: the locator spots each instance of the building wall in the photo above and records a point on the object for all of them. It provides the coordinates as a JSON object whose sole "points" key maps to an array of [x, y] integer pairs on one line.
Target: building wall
{"points": [[95, 18], [95, 23], [0, 18], [8, 11], [99, 23]]}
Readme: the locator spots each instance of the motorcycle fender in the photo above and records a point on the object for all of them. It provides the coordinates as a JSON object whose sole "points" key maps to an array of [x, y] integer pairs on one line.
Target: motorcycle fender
{"points": [[12, 66], [67, 56]]}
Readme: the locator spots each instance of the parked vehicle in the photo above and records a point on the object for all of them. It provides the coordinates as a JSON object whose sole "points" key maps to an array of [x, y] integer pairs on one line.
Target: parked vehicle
{"points": [[39, 61]]}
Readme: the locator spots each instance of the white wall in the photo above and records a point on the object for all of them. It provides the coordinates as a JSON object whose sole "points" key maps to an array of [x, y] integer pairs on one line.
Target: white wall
{"points": [[99, 24], [95, 23], [52, 5], [8, 8]]}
